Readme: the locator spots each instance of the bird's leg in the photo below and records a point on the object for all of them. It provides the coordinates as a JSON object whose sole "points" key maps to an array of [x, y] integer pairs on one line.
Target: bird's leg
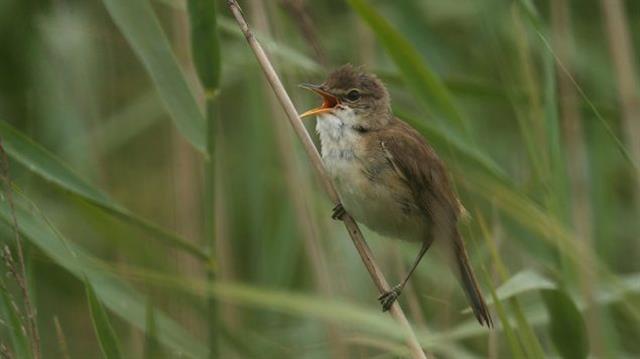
{"points": [[387, 298], [338, 212]]}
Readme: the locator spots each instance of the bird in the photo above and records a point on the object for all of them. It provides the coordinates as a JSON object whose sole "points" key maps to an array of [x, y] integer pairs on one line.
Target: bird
{"points": [[387, 176]]}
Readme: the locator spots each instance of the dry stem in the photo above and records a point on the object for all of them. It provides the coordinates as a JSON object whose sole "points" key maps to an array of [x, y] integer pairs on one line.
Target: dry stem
{"points": [[297, 187], [622, 54], [350, 224], [623, 57]]}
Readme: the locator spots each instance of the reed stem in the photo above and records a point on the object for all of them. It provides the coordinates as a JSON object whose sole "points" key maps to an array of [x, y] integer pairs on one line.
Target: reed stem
{"points": [[351, 226]]}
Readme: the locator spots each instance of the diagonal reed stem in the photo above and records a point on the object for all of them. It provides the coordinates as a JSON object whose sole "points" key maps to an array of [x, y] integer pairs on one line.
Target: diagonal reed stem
{"points": [[351, 226], [298, 185]]}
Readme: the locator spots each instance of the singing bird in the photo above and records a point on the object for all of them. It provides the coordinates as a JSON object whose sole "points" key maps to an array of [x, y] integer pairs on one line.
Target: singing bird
{"points": [[387, 176]]}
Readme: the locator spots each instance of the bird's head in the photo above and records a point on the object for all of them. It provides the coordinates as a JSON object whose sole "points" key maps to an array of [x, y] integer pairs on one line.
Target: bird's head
{"points": [[353, 96]]}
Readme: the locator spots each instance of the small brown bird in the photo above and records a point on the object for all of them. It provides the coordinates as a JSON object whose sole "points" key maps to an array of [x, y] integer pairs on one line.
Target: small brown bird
{"points": [[387, 176]]}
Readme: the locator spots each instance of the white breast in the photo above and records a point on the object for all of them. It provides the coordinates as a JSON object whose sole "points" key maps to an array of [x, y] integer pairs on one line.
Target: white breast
{"points": [[338, 145]]}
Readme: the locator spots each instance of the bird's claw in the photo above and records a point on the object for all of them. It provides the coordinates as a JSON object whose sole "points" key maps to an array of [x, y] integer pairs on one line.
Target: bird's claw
{"points": [[388, 298], [338, 212]]}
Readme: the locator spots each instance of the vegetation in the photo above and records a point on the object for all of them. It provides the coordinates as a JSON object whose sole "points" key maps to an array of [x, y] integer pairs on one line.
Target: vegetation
{"points": [[157, 204]]}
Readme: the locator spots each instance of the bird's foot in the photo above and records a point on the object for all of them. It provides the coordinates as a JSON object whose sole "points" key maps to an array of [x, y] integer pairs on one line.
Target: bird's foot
{"points": [[338, 212], [388, 298]]}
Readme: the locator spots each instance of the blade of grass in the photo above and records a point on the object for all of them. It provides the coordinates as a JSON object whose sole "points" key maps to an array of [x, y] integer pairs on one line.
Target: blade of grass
{"points": [[18, 267], [152, 349], [525, 332], [122, 127], [424, 83], [44, 164], [537, 314], [11, 318], [619, 144], [610, 292], [530, 119], [205, 47], [361, 319], [556, 198], [516, 348], [521, 208], [140, 26], [567, 328], [578, 170], [530, 215], [205, 44], [522, 282], [116, 295], [63, 347], [107, 339]]}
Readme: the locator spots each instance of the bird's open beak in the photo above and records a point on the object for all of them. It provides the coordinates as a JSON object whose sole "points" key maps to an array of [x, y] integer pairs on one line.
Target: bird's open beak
{"points": [[328, 100]]}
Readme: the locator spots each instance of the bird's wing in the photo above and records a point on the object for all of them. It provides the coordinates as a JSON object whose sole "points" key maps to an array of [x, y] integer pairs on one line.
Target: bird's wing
{"points": [[417, 164]]}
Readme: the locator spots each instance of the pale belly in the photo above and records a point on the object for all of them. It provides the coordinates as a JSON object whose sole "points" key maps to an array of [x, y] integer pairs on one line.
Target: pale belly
{"points": [[374, 203], [377, 207]]}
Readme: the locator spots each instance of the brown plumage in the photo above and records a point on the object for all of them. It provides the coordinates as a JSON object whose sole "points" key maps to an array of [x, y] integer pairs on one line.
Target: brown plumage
{"points": [[387, 175]]}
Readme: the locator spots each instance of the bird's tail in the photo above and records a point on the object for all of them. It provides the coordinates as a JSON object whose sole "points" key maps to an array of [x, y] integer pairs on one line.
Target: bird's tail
{"points": [[469, 282]]}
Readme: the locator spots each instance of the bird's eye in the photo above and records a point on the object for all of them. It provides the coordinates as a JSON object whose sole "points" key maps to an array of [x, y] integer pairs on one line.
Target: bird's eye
{"points": [[353, 95]]}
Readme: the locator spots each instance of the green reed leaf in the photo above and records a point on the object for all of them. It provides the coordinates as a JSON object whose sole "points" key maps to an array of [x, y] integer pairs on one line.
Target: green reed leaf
{"points": [[116, 295], [205, 45], [140, 26], [567, 327], [46, 165], [104, 331]]}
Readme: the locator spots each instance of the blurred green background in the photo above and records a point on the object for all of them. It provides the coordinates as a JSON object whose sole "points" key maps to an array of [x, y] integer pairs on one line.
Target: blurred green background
{"points": [[166, 209]]}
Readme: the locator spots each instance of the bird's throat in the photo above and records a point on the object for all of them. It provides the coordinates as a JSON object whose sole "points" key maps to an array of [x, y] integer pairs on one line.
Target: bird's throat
{"points": [[339, 143]]}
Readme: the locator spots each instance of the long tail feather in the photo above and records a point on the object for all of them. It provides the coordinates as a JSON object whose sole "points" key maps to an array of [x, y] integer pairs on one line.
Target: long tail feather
{"points": [[469, 282]]}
